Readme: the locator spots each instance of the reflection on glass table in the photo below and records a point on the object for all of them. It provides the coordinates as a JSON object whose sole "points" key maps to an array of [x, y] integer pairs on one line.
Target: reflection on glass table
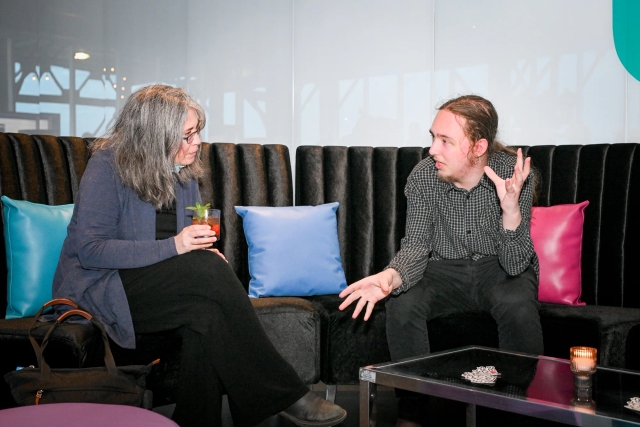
{"points": [[537, 386]]}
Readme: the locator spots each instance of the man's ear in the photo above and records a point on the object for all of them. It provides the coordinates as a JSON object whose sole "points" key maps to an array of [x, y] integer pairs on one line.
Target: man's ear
{"points": [[480, 148]]}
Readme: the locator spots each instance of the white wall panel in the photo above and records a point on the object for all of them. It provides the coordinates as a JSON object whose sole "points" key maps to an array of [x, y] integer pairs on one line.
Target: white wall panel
{"points": [[548, 66], [633, 110], [362, 72], [240, 68], [334, 72]]}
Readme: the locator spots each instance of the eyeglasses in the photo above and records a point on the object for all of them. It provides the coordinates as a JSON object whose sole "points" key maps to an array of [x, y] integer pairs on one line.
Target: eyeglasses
{"points": [[189, 138]]}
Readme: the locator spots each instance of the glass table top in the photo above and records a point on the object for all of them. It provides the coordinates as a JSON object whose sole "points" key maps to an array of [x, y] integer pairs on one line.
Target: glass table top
{"points": [[541, 379]]}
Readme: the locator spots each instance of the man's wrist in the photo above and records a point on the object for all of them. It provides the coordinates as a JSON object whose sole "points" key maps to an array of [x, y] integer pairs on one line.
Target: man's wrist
{"points": [[511, 220]]}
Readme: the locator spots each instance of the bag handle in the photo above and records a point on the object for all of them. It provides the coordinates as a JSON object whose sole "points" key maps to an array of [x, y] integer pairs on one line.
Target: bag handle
{"points": [[45, 370], [56, 301]]}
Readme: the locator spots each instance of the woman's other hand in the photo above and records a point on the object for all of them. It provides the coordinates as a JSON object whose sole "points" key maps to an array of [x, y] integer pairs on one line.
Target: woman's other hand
{"points": [[219, 253], [194, 237]]}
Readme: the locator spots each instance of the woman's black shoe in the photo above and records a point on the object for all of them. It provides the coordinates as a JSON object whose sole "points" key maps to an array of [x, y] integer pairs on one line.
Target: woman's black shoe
{"points": [[311, 410]]}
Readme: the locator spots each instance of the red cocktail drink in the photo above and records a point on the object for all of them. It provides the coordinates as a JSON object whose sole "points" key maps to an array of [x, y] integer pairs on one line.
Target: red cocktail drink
{"points": [[211, 217]]}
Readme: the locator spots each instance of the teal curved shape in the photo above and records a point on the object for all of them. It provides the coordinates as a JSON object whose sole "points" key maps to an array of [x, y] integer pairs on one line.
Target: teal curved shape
{"points": [[626, 34]]}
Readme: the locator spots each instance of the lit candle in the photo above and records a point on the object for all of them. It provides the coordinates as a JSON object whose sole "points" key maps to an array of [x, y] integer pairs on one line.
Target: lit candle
{"points": [[583, 359], [583, 363]]}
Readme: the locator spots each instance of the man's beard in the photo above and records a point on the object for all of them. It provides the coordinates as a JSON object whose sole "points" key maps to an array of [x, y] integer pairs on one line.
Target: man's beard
{"points": [[448, 178]]}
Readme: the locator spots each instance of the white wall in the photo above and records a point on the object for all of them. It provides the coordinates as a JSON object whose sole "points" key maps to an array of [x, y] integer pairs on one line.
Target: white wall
{"points": [[330, 72]]}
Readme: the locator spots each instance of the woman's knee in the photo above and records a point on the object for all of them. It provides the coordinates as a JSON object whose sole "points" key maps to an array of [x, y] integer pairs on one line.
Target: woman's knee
{"points": [[205, 264], [207, 271]]}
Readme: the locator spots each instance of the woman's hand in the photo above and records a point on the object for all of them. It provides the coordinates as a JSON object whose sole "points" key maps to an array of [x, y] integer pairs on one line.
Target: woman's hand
{"points": [[194, 237], [219, 253], [369, 291]]}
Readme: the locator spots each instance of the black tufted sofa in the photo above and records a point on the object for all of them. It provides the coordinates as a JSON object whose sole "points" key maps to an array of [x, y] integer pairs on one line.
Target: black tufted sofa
{"points": [[369, 184], [47, 169], [320, 341]]}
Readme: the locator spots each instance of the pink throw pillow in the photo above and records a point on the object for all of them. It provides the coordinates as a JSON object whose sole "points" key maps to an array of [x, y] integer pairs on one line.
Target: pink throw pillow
{"points": [[556, 232]]}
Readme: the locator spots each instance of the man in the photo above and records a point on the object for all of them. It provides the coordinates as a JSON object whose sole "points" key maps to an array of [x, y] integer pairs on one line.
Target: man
{"points": [[467, 245]]}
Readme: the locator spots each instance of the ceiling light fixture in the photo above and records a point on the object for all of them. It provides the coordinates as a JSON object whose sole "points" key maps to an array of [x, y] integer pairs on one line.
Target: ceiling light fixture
{"points": [[81, 56]]}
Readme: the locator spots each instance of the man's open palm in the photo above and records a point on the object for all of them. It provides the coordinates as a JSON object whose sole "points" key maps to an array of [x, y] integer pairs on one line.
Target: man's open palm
{"points": [[509, 189]]}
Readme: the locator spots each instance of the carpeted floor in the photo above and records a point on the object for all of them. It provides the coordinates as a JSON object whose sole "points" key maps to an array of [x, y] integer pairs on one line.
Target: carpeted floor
{"points": [[441, 412]]}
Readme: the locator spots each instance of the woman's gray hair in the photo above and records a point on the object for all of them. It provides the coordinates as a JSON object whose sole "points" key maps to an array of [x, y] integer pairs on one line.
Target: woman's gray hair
{"points": [[146, 136]]}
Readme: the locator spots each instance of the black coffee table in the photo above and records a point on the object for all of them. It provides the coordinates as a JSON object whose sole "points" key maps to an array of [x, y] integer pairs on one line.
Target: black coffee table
{"points": [[537, 386]]}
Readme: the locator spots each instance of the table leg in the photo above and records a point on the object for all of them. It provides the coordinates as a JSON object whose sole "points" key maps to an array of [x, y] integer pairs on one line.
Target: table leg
{"points": [[331, 393], [368, 407], [471, 415]]}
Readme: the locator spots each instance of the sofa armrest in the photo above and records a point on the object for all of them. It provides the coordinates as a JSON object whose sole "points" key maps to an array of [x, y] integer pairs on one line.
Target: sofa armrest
{"points": [[602, 327]]}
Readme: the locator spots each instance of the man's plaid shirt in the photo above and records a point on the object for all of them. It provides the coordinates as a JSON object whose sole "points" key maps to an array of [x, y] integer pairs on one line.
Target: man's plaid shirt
{"points": [[447, 222]]}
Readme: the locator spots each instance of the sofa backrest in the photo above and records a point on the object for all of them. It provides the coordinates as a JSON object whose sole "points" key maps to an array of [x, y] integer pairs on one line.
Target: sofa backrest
{"points": [[47, 169], [369, 184]]}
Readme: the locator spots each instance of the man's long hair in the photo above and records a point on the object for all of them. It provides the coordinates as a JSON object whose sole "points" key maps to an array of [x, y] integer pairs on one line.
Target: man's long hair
{"points": [[146, 136], [481, 121]]}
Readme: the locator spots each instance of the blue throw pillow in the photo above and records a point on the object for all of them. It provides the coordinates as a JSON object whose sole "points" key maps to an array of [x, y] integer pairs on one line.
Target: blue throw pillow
{"points": [[33, 237], [293, 250]]}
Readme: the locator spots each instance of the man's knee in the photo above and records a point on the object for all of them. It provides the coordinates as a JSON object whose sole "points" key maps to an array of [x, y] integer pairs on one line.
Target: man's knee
{"points": [[513, 293], [516, 310]]}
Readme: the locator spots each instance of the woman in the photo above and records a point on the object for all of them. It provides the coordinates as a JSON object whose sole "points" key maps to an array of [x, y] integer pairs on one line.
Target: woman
{"points": [[132, 258]]}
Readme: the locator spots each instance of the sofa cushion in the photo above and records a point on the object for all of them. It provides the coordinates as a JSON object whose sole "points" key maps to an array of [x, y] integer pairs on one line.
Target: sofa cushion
{"points": [[293, 250], [294, 327], [632, 354], [556, 232], [347, 343], [33, 234]]}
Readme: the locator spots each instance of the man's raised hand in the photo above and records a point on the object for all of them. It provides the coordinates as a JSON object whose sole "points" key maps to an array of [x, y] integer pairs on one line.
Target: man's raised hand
{"points": [[509, 189]]}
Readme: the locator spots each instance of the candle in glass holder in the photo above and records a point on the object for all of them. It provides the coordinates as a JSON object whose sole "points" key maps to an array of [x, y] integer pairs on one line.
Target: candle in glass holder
{"points": [[583, 364], [583, 359]]}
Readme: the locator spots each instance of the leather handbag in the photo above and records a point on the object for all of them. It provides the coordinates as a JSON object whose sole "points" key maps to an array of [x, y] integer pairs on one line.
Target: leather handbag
{"points": [[124, 385]]}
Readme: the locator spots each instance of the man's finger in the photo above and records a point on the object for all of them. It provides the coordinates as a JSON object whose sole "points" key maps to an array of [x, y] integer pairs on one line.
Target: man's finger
{"points": [[384, 287], [492, 175], [351, 298], [527, 167], [348, 290], [346, 303], [367, 314], [508, 185], [359, 308], [519, 162]]}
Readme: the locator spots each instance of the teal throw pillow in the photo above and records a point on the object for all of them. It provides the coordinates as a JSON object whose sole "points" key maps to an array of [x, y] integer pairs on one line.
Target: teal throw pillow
{"points": [[293, 250], [33, 237]]}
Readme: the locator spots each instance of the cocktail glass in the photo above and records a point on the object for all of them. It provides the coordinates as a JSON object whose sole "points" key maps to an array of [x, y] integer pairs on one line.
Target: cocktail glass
{"points": [[210, 217]]}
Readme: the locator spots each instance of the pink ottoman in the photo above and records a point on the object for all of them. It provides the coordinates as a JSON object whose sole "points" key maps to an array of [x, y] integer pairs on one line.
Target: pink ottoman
{"points": [[82, 414]]}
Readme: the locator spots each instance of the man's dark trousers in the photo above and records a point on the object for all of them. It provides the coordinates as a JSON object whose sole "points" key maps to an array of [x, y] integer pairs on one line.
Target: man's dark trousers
{"points": [[453, 286]]}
